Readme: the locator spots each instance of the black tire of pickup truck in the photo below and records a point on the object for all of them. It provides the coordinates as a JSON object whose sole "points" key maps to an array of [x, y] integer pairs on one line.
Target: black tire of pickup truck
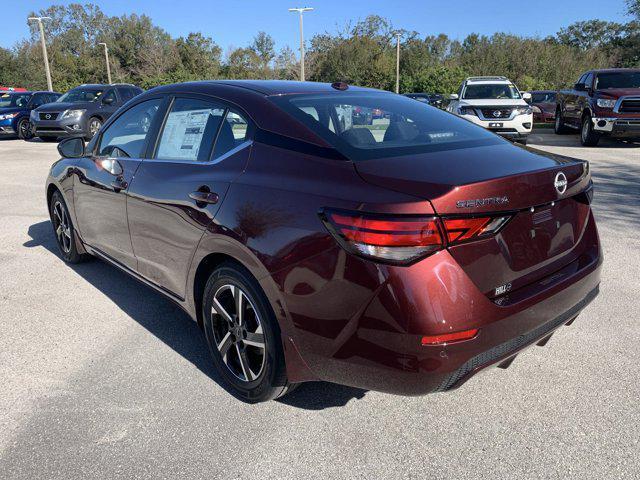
{"points": [[588, 136], [559, 127]]}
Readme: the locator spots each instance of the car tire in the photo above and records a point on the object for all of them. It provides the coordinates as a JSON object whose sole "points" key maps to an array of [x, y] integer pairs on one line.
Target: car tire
{"points": [[64, 231], [246, 349], [93, 126], [559, 127], [25, 129], [522, 141], [588, 136]]}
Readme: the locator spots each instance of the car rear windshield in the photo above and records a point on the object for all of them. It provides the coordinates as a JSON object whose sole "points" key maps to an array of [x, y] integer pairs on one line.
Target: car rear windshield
{"points": [[494, 91], [543, 97], [365, 125], [80, 95], [618, 80]]}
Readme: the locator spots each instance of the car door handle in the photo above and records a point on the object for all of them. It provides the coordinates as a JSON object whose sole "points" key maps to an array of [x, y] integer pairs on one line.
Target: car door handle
{"points": [[119, 184], [203, 198]]}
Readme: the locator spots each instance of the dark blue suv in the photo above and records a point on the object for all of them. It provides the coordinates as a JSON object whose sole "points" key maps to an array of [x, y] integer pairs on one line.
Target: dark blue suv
{"points": [[15, 108]]}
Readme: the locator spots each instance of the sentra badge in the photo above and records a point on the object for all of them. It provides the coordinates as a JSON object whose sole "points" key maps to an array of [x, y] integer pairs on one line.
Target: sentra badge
{"points": [[482, 202]]}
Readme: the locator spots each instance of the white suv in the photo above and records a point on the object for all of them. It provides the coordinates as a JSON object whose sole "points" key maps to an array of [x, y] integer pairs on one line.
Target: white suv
{"points": [[496, 104]]}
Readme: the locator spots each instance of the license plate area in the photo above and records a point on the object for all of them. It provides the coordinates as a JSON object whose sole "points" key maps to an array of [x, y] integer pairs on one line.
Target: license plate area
{"points": [[496, 124]]}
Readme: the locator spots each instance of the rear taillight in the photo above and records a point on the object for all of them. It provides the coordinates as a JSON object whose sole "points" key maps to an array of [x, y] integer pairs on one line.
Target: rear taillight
{"points": [[463, 229], [395, 239], [402, 239]]}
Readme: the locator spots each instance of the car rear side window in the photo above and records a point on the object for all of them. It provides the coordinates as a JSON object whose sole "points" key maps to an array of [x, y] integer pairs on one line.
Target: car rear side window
{"points": [[127, 93], [233, 131], [125, 137], [190, 130], [364, 125], [588, 81]]}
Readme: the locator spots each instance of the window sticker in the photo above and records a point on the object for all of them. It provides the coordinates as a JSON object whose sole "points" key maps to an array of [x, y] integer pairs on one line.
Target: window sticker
{"points": [[182, 135]]}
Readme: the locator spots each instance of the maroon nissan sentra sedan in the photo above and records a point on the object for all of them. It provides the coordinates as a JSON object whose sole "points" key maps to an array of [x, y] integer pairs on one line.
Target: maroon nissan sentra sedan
{"points": [[403, 255]]}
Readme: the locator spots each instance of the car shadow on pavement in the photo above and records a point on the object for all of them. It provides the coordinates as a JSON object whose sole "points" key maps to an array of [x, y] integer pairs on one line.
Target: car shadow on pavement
{"points": [[170, 324]]}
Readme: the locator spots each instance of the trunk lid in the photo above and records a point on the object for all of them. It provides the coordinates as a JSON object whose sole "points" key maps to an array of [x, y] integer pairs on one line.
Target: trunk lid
{"points": [[546, 222]]}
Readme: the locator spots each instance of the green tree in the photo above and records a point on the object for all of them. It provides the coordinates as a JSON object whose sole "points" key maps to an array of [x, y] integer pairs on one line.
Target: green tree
{"points": [[263, 47], [199, 56], [243, 63], [590, 34], [633, 8], [286, 65]]}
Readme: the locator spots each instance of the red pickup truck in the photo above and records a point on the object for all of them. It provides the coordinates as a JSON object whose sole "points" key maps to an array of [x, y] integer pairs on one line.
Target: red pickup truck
{"points": [[602, 102]]}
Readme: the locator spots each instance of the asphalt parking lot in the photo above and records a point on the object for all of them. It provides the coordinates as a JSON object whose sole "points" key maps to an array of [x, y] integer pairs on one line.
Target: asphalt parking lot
{"points": [[103, 378]]}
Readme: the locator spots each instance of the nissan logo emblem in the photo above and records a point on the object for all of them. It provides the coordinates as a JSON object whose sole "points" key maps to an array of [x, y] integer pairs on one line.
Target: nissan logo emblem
{"points": [[47, 116], [560, 183], [497, 113]]}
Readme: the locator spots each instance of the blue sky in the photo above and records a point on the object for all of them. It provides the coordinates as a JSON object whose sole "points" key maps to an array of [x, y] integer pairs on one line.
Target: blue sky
{"points": [[233, 23]]}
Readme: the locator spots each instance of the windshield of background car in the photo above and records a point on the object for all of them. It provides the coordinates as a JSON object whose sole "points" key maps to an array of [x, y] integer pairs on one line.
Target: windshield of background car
{"points": [[14, 100], [367, 125], [546, 97], [618, 80], [78, 95], [494, 91]]}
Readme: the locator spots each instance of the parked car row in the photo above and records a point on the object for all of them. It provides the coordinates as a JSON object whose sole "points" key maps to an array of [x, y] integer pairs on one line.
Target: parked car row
{"points": [[51, 116], [602, 103]]}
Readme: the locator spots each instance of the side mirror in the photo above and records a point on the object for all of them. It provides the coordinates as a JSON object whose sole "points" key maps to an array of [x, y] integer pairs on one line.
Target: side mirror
{"points": [[107, 100], [580, 87], [112, 166], [526, 96], [454, 96], [71, 147]]}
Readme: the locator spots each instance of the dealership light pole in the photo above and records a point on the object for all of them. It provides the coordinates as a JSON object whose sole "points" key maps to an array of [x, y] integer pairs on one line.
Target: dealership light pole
{"points": [[106, 58], [301, 11], [397, 63], [44, 50]]}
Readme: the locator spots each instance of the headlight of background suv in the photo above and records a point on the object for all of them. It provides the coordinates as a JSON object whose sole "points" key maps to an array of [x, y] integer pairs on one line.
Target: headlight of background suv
{"points": [[466, 111], [7, 116], [73, 113], [606, 103], [523, 110]]}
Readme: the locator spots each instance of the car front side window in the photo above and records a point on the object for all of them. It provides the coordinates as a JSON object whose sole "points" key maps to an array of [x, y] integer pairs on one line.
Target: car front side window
{"points": [[126, 136]]}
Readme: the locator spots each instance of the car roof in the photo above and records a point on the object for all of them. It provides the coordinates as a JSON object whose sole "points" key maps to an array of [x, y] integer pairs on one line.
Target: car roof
{"points": [[28, 92], [615, 70], [488, 79], [271, 87], [92, 85]]}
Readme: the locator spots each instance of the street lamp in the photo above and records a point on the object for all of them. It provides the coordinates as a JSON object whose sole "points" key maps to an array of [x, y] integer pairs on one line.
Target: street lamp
{"points": [[106, 57], [397, 63], [44, 49], [301, 11]]}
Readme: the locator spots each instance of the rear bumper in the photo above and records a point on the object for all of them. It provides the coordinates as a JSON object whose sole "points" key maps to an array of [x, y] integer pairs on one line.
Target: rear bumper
{"points": [[511, 347], [368, 334], [544, 117]]}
